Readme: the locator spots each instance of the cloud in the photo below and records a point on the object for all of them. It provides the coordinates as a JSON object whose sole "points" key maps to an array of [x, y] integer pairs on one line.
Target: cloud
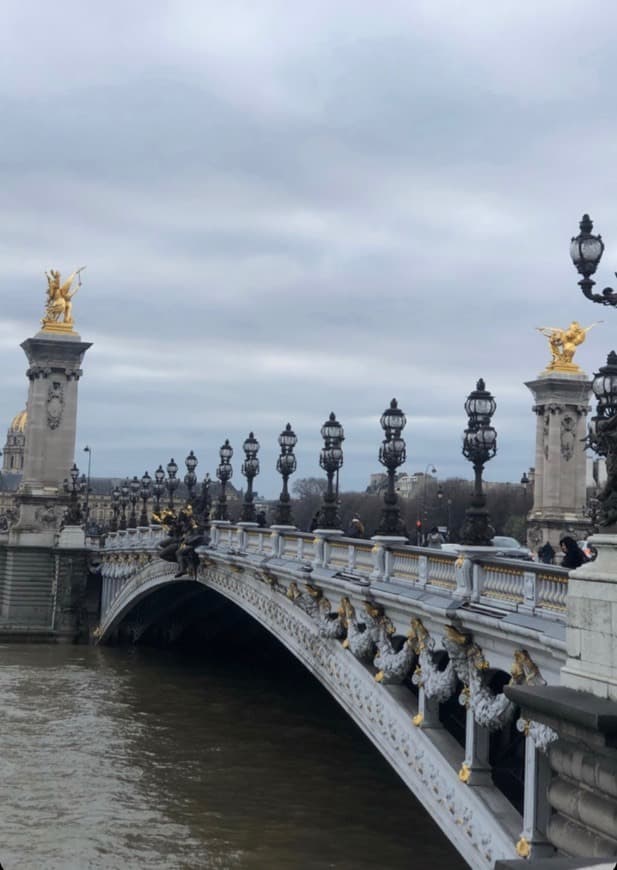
{"points": [[287, 209]]}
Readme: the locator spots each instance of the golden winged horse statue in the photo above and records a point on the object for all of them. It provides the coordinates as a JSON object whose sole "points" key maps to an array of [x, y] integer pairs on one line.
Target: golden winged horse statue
{"points": [[59, 296]]}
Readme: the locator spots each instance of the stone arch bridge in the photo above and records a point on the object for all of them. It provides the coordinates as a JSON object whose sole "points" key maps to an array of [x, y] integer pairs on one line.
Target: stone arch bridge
{"points": [[415, 644]]}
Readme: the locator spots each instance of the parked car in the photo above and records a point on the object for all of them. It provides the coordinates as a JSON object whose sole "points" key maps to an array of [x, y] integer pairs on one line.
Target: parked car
{"points": [[507, 548], [510, 548]]}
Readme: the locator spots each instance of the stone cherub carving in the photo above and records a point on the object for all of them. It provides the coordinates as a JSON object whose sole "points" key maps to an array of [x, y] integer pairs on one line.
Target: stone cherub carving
{"points": [[563, 344], [59, 298]]}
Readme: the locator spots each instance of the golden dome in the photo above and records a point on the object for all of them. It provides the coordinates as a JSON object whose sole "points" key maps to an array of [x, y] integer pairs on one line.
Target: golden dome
{"points": [[18, 423]]}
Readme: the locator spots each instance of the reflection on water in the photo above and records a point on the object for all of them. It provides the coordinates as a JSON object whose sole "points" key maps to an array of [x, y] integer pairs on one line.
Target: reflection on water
{"points": [[154, 759]]}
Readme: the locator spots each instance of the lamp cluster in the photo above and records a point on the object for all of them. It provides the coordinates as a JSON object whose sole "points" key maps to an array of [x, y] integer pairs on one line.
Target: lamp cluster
{"points": [[479, 446], [586, 251]]}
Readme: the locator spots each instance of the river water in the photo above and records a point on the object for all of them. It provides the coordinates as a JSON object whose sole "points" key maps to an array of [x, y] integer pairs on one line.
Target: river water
{"points": [[145, 758]]}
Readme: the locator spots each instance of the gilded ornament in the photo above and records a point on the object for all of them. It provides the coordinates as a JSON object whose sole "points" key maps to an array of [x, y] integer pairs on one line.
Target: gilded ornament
{"points": [[418, 719], [464, 773], [523, 848], [563, 344], [58, 315]]}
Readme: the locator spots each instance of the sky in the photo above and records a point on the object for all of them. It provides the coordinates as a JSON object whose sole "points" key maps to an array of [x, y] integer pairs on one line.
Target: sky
{"points": [[289, 208]]}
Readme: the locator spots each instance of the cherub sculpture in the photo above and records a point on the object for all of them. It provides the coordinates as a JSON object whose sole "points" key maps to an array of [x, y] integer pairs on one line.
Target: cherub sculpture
{"points": [[59, 297]]}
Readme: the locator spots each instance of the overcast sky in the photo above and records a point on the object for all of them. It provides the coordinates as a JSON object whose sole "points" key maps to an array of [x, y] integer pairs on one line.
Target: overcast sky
{"points": [[288, 208]]}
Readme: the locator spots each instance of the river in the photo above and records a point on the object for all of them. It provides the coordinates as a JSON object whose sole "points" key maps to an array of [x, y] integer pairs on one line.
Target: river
{"points": [[145, 758]]}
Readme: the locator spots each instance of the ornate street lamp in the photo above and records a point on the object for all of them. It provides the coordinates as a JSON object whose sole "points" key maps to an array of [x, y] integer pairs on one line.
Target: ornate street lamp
{"points": [[125, 492], [603, 436], [331, 460], [421, 522], [190, 478], [172, 483], [285, 465], [158, 488], [144, 493], [134, 489], [479, 445], [205, 502], [392, 453], [524, 481], [586, 251], [224, 472], [74, 515], [250, 470], [115, 509]]}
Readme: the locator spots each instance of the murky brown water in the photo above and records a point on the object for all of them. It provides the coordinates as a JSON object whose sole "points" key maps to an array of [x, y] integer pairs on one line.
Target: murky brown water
{"points": [[115, 758]]}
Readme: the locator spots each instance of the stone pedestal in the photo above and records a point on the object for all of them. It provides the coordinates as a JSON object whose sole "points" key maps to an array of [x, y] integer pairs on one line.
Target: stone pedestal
{"points": [[54, 370], [561, 406]]}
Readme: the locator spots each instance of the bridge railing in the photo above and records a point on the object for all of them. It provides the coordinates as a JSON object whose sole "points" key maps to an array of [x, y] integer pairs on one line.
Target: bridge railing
{"points": [[469, 575]]}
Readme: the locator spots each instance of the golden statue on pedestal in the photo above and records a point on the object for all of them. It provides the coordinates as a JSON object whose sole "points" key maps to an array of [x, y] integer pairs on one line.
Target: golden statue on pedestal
{"points": [[563, 344], [59, 303]]}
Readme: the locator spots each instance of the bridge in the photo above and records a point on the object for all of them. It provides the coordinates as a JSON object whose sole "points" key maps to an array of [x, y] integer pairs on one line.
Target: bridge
{"points": [[416, 645]]}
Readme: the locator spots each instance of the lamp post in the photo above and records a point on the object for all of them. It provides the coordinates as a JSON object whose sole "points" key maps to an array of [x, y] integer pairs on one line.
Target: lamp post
{"points": [[250, 469], [115, 509], [603, 436], [134, 489], [190, 478], [172, 483], [158, 488], [286, 465], [439, 502], [224, 472], [88, 450], [392, 454], [479, 445], [586, 251], [331, 460], [422, 519], [77, 486], [145, 493], [205, 502], [124, 500]]}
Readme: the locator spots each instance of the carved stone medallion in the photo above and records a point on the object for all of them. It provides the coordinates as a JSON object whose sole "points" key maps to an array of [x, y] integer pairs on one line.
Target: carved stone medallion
{"points": [[55, 404]]}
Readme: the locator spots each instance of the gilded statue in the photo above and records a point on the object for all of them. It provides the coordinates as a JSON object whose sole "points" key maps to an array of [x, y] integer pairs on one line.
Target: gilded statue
{"points": [[563, 344], [58, 311]]}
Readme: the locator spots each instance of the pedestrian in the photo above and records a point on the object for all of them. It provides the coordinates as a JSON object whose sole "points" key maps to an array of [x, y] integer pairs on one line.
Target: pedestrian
{"points": [[315, 521], [573, 556], [435, 539], [546, 553], [356, 528], [262, 520]]}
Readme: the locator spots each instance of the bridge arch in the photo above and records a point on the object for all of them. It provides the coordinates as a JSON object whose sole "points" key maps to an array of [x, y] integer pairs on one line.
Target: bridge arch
{"points": [[480, 823]]}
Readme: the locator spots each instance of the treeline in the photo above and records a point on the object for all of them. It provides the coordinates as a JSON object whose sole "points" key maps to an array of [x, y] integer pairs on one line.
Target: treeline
{"points": [[439, 504]]}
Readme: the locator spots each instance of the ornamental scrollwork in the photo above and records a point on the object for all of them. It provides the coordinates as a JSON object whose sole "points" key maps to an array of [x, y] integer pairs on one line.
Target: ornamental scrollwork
{"points": [[568, 437], [362, 634], [466, 662], [540, 735], [55, 404]]}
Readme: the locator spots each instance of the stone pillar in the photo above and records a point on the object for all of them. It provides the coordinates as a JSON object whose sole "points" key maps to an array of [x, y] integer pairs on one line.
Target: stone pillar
{"points": [[579, 798], [54, 370], [561, 405], [591, 624]]}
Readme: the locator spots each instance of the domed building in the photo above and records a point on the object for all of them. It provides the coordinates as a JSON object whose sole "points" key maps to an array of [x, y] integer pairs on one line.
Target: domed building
{"points": [[13, 451]]}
